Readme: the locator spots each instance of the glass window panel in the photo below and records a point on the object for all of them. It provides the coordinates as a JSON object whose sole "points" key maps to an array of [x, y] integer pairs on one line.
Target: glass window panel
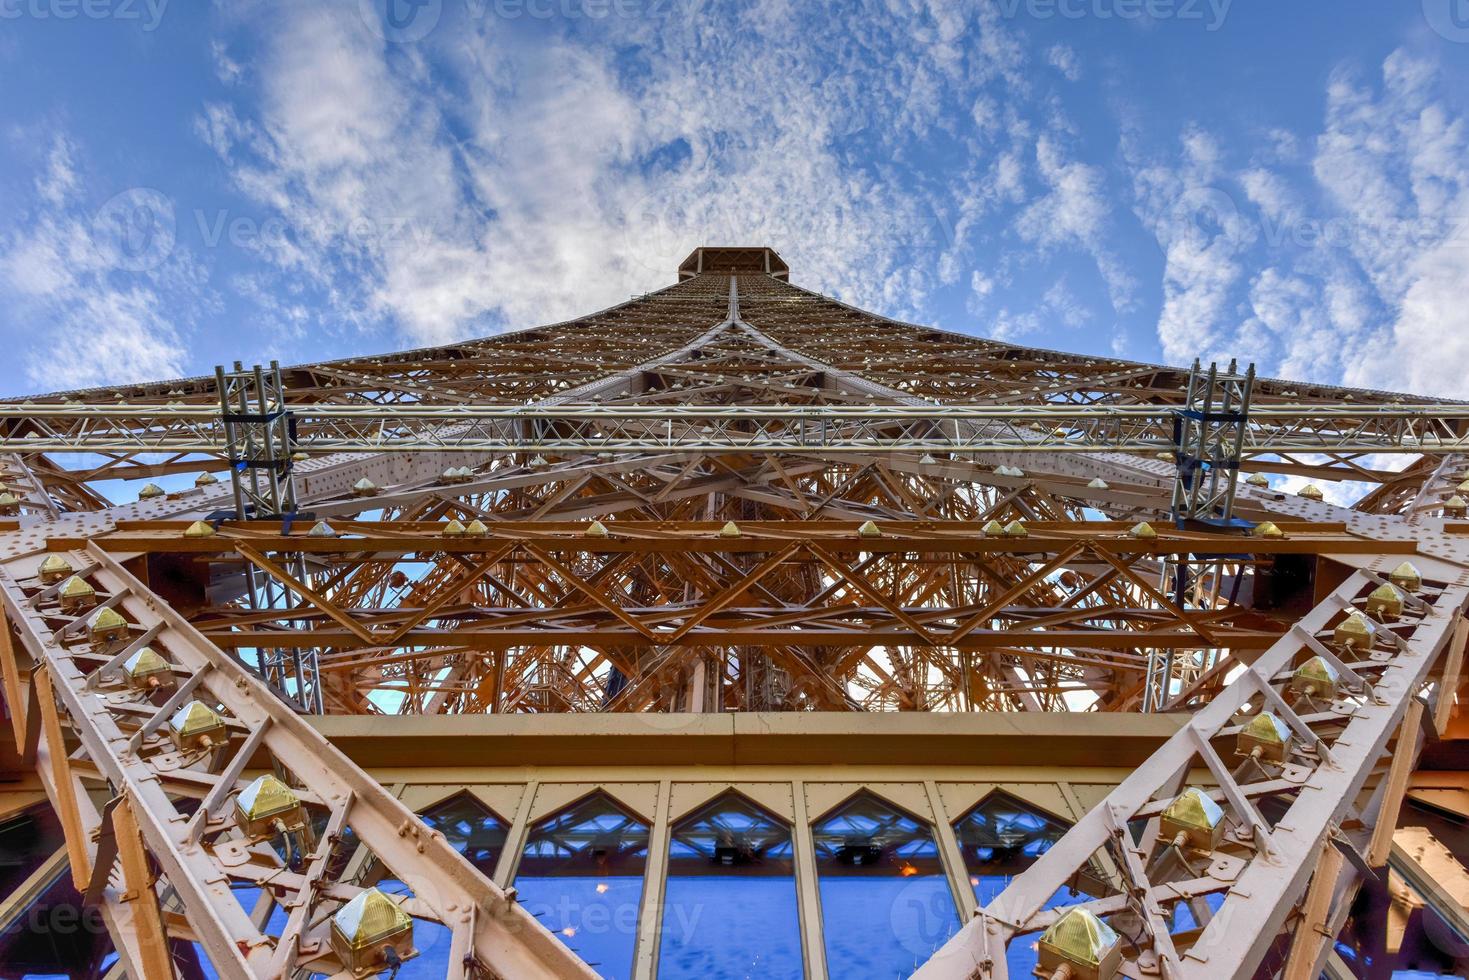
{"points": [[886, 905], [581, 874], [729, 906], [1000, 838], [471, 828]]}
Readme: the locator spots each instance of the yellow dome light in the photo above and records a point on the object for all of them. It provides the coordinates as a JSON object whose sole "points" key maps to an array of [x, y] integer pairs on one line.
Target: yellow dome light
{"points": [[1356, 632], [107, 626], [1265, 737], [199, 529], [1316, 679], [146, 670], [53, 569], [267, 807], [1384, 603], [1195, 818], [1080, 946], [76, 594], [196, 726], [363, 930], [1407, 577]]}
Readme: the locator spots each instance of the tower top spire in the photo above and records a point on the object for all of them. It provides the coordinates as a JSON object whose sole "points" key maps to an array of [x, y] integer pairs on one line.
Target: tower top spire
{"points": [[751, 260]]}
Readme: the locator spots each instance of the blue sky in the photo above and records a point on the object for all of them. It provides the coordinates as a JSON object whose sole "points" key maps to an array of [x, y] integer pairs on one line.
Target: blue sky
{"points": [[1286, 181]]}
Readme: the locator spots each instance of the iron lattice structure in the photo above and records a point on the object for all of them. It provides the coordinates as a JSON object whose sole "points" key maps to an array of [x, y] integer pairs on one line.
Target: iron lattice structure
{"points": [[730, 495]]}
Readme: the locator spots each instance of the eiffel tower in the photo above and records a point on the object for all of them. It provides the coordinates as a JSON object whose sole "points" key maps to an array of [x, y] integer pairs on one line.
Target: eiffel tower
{"points": [[732, 631]]}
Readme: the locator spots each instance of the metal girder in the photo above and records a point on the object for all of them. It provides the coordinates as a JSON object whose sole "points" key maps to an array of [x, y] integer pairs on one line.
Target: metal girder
{"points": [[1261, 866], [200, 852], [1426, 428], [726, 399]]}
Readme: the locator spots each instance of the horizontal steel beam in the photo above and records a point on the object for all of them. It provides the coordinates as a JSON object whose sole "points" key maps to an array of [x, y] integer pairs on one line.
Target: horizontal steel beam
{"points": [[580, 428]]}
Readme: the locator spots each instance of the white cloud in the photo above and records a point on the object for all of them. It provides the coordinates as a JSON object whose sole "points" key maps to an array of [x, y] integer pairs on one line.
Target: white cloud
{"points": [[542, 179], [1076, 211], [1062, 57], [103, 323]]}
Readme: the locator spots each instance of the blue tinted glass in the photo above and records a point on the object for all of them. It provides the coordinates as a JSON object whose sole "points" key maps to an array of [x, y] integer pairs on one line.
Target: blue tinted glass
{"points": [[729, 909], [1183, 915], [470, 827], [581, 875], [885, 900], [431, 939], [999, 839]]}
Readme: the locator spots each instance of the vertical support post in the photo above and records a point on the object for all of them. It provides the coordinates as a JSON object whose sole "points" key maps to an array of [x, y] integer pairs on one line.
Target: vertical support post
{"points": [[15, 694], [1311, 931], [650, 916], [1209, 439], [258, 440], [808, 893], [1404, 759], [1448, 684], [141, 899], [66, 797]]}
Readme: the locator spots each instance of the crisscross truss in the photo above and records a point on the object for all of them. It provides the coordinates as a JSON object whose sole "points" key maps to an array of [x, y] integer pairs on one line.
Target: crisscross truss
{"points": [[728, 495]]}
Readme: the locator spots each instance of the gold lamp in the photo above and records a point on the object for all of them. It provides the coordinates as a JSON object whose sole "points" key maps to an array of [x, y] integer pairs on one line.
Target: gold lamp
{"points": [[1407, 577], [366, 928], [53, 569], [1384, 603], [147, 671], [1080, 946], [196, 726], [1265, 737], [107, 626], [1193, 820], [76, 595], [1268, 529], [1316, 679], [268, 807], [1356, 632]]}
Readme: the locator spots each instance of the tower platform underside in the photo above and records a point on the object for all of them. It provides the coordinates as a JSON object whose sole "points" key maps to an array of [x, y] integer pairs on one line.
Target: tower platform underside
{"points": [[733, 631]]}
